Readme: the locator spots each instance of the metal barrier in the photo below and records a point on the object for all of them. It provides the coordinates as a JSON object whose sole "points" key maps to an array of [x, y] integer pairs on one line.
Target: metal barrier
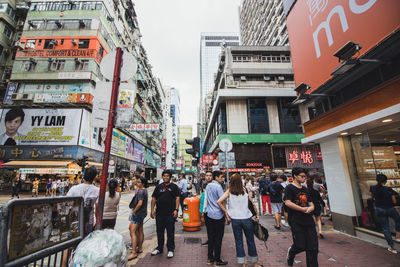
{"points": [[40, 231]]}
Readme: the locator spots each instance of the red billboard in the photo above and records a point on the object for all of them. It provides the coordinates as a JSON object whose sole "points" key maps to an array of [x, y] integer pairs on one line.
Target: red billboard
{"points": [[318, 28]]}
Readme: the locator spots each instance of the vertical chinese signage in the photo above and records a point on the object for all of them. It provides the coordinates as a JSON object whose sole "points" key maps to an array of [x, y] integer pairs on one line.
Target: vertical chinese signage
{"points": [[304, 157]]}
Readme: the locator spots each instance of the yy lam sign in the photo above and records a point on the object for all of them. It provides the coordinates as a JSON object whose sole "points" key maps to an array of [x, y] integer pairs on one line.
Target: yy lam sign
{"points": [[39, 126], [318, 28]]}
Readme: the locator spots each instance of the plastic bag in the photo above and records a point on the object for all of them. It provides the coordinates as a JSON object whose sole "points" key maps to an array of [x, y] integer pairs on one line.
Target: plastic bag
{"points": [[100, 248]]}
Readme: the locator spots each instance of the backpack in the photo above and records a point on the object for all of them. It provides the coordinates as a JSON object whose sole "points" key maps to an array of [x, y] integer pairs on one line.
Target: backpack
{"points": [[271, 188], [264, 187]]}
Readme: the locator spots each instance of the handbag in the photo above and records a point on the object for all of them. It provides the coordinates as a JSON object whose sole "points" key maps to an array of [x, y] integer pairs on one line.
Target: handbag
{"points": [[250, 205], [260, 232]]}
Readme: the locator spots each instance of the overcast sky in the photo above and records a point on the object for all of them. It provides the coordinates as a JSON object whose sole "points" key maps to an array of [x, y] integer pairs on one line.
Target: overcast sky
{"points": [[171, 36]]}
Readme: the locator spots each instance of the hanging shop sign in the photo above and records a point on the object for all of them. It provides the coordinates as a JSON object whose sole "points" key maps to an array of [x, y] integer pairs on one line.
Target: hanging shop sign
{"points": [[303, 156], [11, 89], [40, 126], [208, 158], [144, 127], [138, 151], [254, 164], [63, 98]]}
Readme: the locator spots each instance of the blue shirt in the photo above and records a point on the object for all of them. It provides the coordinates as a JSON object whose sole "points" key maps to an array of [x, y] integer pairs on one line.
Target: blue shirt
{"points": [[183, 185], [214, 191]]}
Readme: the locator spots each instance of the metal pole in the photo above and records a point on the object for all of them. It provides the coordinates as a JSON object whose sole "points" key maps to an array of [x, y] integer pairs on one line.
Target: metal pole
{"points": [[227, 170], [106, 158]]}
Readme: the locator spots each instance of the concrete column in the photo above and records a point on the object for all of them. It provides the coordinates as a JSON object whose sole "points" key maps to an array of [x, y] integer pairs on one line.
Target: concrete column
{"points": [[341, 196], [273, 116], [236, 116]]}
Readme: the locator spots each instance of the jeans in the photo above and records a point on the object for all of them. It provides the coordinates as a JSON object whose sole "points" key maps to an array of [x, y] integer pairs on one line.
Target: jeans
{"points": [[61, 191], [215, 231], [305, 239], [383, 218], [239, 226], [165, 222]]}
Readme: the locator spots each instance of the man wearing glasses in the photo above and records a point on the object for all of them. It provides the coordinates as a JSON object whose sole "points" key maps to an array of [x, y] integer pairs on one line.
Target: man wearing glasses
{"points": [[300, 207]]}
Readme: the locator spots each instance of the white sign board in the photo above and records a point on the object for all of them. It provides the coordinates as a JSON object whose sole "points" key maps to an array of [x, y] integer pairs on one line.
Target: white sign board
{"points": [[101, 104], [128, 66], [225, 145]]}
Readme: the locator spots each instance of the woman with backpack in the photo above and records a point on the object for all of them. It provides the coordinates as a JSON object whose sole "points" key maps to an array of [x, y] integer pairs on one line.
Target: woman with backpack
{"points": [[241, 217], [111, 204], [139, 212], [385, 198]]}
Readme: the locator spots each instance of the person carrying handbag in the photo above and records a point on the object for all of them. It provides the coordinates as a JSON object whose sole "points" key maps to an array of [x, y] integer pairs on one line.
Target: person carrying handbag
{"points": [[241, 217]]}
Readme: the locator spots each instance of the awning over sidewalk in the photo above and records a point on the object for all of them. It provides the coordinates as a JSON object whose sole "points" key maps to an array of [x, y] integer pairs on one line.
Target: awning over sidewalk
{"points": [[30, 163]]}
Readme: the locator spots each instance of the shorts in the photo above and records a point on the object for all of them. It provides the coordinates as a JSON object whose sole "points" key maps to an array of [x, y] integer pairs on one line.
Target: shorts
{"points": [[34, 190], [276, 207], [137, 219], [108, 223]]}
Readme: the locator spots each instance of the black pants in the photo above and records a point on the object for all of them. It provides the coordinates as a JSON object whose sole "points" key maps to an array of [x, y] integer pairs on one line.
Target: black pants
{"points": [[215, 232], [14, 192], [305, 239], [165, 222]]}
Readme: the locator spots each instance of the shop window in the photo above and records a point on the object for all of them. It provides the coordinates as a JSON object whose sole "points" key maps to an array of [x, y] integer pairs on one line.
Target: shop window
{"points": [[289, 116], [372, 152], [258, 115], [83, 43]]}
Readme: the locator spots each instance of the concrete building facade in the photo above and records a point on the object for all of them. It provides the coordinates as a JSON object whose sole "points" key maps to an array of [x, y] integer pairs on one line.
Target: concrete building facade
{"points": [[263, 22], [251, 106]]}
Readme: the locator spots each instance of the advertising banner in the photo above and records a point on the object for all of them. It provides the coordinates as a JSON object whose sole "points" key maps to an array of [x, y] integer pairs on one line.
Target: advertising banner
{"points": [[63, 98], [74, 88], [317, 29], [138, 151], [130, 148], [157, 160], [118, 144], [126, 102], [149, 157], [39, 126], [11, 89], [164, 146]]}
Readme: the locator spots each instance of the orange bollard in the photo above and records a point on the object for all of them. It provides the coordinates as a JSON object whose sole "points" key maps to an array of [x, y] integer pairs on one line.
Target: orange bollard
{"points": [[191, 214]]}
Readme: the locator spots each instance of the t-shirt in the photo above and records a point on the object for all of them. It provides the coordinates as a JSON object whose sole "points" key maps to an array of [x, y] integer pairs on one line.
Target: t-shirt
{"points": [[183, 185], [165, 200], [300, 197], [110, 210], [214, 191], [276, 193], [383, 201], [35, 184], [87, 191], [141, 195]]}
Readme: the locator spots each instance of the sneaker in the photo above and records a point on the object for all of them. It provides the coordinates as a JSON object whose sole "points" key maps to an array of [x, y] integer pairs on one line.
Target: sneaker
{"points": [[130, 246], [220, 263], [210, 262], [170, 254], [285, 224], [393, 250], [289, 260], [205, 244], [155, 252]]}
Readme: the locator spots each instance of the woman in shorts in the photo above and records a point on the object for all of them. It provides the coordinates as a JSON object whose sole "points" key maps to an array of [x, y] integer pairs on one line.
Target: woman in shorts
{"points": [[139, 212]]}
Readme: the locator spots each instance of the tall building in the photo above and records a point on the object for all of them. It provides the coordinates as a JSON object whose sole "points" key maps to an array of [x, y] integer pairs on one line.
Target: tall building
{"points": [[55, 75], [251, 106], [185, 132], [211, 45], [12, 19], [262, 22]]}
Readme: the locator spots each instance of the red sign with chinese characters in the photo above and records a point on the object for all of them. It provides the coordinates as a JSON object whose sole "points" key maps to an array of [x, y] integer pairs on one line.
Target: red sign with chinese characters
{"points": [[303, 156], [208, 158]]}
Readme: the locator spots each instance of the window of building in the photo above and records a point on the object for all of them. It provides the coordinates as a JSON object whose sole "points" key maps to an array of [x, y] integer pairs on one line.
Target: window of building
{"points": [[84, 43], [57, 65], [7, 31], [30, 44], [3, 7], [289, 116], [221, 121], [29, 65], [258, 115], [1, 50], [101, 50], [40, 42], [81, 64]]}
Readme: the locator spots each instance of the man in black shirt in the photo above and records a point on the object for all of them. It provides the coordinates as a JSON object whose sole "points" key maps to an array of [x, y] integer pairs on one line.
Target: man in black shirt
{"points": [[300, 207], [166, 199], [275, 193]]}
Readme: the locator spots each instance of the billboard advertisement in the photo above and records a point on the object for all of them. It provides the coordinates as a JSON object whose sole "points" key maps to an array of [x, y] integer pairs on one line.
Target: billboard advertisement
{"points": [[39, 126], [317, 29], [138, 151]]}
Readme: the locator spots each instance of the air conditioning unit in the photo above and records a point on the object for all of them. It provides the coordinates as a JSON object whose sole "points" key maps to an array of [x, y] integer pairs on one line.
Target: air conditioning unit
{"points": [[33, 60], [81, 23], [31, 24], [30, 46], [58, 23], [267, 78], [74, 42], [243, 78], [78, 61], [281, 78], [20, 23], [54, 42], [19, 45], [16, 96], [27, 96]]}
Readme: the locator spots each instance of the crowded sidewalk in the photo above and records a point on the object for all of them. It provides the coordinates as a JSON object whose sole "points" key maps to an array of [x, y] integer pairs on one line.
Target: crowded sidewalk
{"points": [[336, 249]]}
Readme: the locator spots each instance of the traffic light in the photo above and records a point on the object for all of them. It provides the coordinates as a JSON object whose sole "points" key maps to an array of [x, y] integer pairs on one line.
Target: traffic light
{"points": [[195, 150]]}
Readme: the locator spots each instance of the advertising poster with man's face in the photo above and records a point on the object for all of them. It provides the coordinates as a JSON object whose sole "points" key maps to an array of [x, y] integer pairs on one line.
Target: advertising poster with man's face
{"points": [[39, 126]]}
